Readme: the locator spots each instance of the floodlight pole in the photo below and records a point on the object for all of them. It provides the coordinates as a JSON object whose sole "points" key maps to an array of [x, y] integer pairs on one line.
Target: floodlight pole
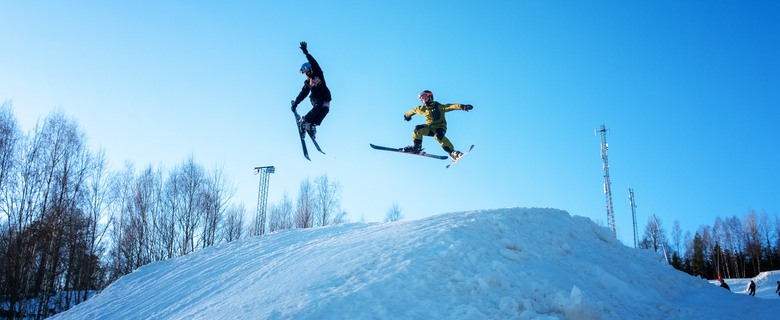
{"points": [[262, 199], [607, 183]]}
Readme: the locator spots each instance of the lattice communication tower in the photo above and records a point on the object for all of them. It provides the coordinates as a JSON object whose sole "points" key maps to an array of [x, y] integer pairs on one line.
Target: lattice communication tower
{"points": [[607, 183], [633, 215], [262, 199]]}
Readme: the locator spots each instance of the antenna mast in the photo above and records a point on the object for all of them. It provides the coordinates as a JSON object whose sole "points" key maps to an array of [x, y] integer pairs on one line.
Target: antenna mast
{"points": [[607, 183], [262, 200], [633, 214]]}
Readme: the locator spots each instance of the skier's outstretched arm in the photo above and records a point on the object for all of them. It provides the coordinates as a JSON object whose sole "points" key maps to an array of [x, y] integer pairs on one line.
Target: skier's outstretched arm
{"points": [[458, 106], [315, 67]]}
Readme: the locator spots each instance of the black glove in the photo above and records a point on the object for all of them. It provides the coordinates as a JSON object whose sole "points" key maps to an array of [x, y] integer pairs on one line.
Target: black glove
{"points": [[466, 107], [304, 48], [407, 118], [294, 106]]}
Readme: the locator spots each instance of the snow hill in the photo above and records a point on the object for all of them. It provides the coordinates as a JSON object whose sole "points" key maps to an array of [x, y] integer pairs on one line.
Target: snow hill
{"points": [[515, 263]]}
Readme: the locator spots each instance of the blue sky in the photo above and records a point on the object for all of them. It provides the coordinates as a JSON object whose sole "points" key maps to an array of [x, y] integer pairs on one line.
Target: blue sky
{"points": [[689, 91]]}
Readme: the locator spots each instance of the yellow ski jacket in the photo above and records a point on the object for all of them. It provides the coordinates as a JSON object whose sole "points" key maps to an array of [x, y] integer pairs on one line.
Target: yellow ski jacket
{"points": [[434, 113]]}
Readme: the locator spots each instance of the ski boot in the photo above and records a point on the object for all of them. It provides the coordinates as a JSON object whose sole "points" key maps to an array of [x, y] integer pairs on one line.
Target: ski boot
{"points": [[307, 127], [455, 155], [312, 130], [415, 148]]}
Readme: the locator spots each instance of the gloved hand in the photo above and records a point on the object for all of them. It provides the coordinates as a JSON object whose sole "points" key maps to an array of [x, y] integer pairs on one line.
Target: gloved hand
{"points": [[294, 106], [466, 107], [304, 47], [407, 118]]}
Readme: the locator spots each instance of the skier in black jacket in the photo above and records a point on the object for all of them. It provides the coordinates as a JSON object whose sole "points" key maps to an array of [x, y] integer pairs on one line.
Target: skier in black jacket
{"points": [[315, 87], [724, 285], [778, 288]]}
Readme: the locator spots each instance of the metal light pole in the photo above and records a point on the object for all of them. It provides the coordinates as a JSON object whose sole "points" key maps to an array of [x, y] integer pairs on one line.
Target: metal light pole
{"points": [[262, 199]]}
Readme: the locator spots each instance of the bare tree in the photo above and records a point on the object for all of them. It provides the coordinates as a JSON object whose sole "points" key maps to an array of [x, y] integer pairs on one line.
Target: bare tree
{"points": [[305, 210], [142, 211], [97, 204], [394, 213], [327, 199], [677, 237], [719, 246], [10, 137], [340, 218], [733, 231], [18, 185], [192, 178], [752, 239], [173, 204], [777, 231], [655, 237], [216, 195], [281, 215], [233, 224], [765, 230], [122, 235]]}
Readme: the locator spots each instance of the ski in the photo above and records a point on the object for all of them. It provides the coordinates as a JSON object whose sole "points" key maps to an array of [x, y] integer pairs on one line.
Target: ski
{"points": [[401, 150], [302, 136], [316, 145], [461, 156]]}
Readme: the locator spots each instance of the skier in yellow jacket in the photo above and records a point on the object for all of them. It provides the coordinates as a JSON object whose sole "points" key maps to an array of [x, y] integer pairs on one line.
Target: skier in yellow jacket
{"points": [[435, 123]]}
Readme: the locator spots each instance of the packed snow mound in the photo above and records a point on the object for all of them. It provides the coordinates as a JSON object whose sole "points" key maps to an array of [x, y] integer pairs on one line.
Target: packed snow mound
{"points": [[514, 263]]}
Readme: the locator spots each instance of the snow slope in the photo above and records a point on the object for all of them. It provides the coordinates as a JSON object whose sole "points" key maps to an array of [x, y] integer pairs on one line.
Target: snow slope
{"points": [[514, 263]]}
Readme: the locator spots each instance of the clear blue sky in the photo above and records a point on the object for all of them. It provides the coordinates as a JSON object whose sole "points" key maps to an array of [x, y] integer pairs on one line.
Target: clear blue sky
{"points": [[689, 90]]}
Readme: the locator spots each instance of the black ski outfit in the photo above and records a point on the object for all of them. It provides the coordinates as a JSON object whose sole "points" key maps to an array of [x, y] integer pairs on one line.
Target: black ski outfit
{"points": [[724, 285], [316, 88]]}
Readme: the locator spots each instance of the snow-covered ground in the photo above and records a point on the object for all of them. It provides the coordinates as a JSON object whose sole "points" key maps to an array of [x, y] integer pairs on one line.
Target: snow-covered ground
{"points": [[514, 263], [766, 286]]}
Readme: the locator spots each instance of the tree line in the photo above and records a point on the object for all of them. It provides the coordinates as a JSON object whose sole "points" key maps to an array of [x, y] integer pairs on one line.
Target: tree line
{"points": [[70, 225], [732, 247]]}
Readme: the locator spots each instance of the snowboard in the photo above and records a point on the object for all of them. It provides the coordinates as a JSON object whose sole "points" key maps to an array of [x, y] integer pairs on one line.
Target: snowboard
{"points": [[461, 156], [401, 150]]}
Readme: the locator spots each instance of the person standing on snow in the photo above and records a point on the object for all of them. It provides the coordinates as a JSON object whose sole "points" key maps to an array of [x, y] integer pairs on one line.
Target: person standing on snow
{"points": [[435, 123], [778, 288], [315, 87], [752, 288]]}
